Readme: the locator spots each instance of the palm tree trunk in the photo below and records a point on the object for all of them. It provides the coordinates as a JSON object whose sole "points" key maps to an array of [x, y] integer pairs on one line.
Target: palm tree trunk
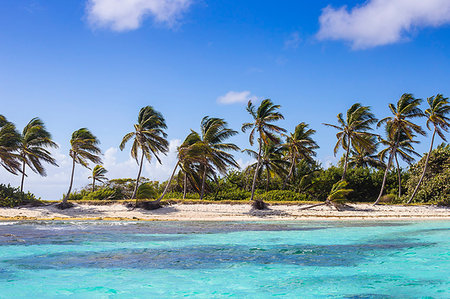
{"points": [[256, 170], [71, 182], [291, 170], [185, 185], [23, 175], [168, 183], [316, 205], [138, 177], [346, 158], [385, 176], [424, 168], [399, 178], [268, 179], [203, 184], [93, 183]]}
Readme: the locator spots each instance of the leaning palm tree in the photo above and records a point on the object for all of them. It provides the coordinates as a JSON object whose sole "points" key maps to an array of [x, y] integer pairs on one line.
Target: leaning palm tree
{"points": [[353, 131], [9, 144], [149, 137], [214, 155], [399, 126], [84, 148], [299, 146], [271, 160], [436, 114], [336, 197], [34, 142], [395, 146], [186, 154], [263, 117], [98, 174]]}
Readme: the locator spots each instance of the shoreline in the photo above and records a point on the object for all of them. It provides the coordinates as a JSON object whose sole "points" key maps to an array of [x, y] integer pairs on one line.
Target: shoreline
{"points": [[225, 212]]}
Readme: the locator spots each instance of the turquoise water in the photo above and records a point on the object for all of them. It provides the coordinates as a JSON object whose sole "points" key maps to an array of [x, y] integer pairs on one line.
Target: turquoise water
{"points": [[89, 259]]}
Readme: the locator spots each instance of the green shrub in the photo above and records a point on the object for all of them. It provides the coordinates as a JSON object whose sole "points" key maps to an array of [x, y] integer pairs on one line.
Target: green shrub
{"points": [[146, 191], [12, 197]]}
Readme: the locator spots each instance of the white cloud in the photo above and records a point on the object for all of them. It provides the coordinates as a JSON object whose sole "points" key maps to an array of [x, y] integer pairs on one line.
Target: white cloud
{"points": [[381, 22], [293, 41], [123, 15], [56, 183], [232, 97]]}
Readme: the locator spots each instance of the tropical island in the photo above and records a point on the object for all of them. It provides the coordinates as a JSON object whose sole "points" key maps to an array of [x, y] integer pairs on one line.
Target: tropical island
{"points": [[284, 182]]}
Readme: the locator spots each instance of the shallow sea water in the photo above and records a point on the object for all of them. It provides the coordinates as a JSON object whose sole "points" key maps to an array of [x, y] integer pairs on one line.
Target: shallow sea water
{"points": [[302, 259]]}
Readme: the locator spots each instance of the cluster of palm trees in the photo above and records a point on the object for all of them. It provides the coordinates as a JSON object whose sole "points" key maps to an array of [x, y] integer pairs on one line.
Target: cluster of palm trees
{"points": [[355, 134], [206, 153]]}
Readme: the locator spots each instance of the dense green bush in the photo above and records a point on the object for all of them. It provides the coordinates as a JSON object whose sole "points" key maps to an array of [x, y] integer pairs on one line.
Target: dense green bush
{"points": [[146, 191], [106, 193], [12, 197], [435, 187], [179, 195]]}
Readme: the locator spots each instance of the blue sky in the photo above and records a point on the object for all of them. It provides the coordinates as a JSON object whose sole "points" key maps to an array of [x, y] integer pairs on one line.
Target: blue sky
{"points": [[96, 63]]}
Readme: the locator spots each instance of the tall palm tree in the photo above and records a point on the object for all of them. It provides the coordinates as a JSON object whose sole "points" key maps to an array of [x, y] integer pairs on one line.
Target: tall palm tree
{"points": [[34, 142], [213, 151], [299, 145], [9, 144], [399, 126], [271, 160], [186, 154], [84, 148], [436, 118], [394, 148], [263, 117], [353, 131], [98, 174], [149, 137]]}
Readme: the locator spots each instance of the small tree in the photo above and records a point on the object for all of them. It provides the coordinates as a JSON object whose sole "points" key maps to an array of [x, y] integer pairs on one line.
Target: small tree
{"points": [[98, 174]]}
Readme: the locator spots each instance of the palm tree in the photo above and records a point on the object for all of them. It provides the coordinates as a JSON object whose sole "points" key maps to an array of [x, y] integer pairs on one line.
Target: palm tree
{"points": [[213, 152], [34, 141], [84, 148], [263, 117], [149, 137], [436, 114], [186, 155], [9, 144], [336, 196], [399, 127], [299, 145], [98, 174], [393, 149], [271, 160], [353, 131]]}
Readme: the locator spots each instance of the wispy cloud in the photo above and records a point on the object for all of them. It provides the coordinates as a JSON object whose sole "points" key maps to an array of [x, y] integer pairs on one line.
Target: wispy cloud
{"points": [[381, 22], [293, 41], [124, 15], [232, 97]]}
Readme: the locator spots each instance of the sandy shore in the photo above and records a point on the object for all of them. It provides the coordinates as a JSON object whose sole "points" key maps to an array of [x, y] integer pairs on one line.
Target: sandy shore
{"points": [[223, 212]]}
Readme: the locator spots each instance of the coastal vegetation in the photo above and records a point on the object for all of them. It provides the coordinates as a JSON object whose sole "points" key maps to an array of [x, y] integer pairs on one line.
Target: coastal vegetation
{"points": [[284, 168]]}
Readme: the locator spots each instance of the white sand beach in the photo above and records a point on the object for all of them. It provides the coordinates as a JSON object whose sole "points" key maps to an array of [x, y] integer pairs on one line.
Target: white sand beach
{"points": [[225, 212]]}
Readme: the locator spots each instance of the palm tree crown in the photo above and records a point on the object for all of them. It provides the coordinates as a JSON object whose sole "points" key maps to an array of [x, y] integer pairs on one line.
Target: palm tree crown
{"points": [[35, 140], [353, 131]]}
